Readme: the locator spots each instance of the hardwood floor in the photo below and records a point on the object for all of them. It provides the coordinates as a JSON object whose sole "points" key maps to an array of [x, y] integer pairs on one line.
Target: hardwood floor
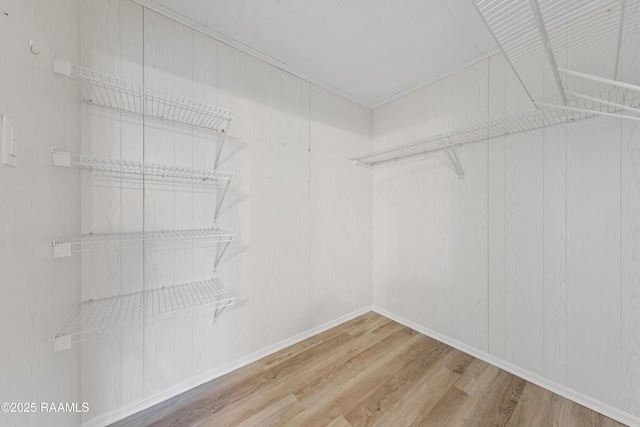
{"points": [[370, 371]]}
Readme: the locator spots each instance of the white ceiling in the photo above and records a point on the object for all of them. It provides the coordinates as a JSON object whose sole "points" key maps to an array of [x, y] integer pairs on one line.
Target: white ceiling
{"points": [[371, 51]]}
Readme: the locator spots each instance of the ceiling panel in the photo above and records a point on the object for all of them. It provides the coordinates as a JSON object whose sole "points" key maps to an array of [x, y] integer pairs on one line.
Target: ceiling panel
{"points": [[438, 38], [476, 30], [368, 50], [311, 10]]}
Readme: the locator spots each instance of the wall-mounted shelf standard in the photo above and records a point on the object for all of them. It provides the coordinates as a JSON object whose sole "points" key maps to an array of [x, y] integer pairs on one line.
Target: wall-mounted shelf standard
{"points": [[163, 238], [607, 103], [102, 164], [109, 315]]}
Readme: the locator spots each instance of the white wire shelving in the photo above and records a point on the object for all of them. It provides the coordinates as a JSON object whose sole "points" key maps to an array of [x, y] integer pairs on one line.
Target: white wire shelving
{"points": [[605, 103], [584, 50], [102, 89], [109, 315], [112, 92], [102, 164], [597, 37], [155, 239]]}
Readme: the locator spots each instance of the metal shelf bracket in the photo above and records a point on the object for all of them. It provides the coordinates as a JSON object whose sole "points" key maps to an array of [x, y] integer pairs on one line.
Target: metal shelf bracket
{"points": [[224, 133], [219, 255], [219, 202], [217, 313], [451, 152]]}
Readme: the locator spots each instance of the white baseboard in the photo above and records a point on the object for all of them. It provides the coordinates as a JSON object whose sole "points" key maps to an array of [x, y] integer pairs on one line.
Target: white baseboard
{"points": [[125, 411], [564, 391]]}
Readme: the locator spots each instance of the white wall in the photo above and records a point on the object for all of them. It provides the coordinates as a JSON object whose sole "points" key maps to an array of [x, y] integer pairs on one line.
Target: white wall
{"points": [[533, 257], [37, 205], [301, 210]]}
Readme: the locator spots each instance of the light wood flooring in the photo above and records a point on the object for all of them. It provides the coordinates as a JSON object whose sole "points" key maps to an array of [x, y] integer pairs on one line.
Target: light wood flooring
{"points": [[369, 371]]}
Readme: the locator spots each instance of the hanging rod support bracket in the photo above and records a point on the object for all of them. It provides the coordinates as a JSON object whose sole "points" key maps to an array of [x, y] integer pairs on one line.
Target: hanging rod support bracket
{"points": [[219, 255]]}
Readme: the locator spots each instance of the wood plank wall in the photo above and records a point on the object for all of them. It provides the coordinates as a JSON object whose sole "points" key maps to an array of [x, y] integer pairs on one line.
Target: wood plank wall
{"points": [[533, 257], [38, 204], [301, 210]]}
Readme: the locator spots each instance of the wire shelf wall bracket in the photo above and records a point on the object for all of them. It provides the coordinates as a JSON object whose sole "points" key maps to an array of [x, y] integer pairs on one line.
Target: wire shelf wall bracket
{"points": [[108, 91], [109, 315], [154, 239], [220, 253], [219, 201], [453, 157], [221, 145]]}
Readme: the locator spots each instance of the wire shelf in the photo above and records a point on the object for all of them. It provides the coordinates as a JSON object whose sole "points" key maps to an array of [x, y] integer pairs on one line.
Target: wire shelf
{"points": [[112, 92], [534, 119], [155, 239], [109, 315], [102, 164], [597, 37]]}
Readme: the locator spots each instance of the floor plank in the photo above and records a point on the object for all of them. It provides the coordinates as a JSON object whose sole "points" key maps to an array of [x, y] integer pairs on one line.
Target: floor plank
{"points": [[369, 371], [532, 408], [343, 369], [357, 389], [339, 422], [395, 387], [418, 401], [499, 400], [451, 410]]}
